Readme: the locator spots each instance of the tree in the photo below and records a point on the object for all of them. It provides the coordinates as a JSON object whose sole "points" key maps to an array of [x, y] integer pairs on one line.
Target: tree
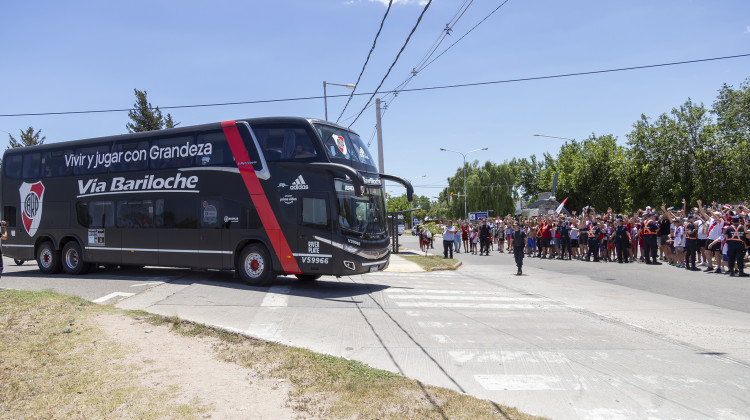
{"points": [[146, 117], [27, 138]]}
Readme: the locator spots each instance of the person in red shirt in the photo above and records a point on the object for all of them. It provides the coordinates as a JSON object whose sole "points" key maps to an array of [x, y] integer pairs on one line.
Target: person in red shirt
{"points": [[546, 233]]}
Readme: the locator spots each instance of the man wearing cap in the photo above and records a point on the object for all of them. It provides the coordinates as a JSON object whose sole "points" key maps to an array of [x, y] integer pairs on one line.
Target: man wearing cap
{"points": [[485, 236], [735, 236], [691, 243], [518, 241], [650, 230], [593, 240]]}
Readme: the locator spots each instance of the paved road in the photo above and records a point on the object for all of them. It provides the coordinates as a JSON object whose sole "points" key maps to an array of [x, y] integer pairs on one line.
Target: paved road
{"points": [[564, 344]]}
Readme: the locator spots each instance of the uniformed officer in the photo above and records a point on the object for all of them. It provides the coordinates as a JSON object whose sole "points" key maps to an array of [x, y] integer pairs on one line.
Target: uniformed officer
{"points": [[485, 236], [691, 243], [650, 230], [735, 236], [622, 239], [564, 230], [518, 240], [593, 241]]}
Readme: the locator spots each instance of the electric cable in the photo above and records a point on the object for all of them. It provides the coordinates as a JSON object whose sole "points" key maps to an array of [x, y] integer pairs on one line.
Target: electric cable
{"points": [[366, 60], [416, 25], [460, 85]]}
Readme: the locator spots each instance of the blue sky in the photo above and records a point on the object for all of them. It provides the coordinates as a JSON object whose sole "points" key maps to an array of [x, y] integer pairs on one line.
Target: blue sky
{"points": [[88, 55]]}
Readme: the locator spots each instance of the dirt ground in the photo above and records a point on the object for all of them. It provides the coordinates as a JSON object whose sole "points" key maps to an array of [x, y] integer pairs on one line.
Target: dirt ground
{"points": [[189, 367]]}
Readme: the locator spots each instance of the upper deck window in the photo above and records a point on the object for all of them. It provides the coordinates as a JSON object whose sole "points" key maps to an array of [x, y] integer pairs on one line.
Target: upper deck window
{"points": [[285, 142], [220, 152], [12, 166], [54, 163], [31, 164]]}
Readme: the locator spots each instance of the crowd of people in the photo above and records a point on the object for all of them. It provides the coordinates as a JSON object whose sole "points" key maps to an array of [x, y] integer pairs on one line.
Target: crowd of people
{"points": [[713, 237]]}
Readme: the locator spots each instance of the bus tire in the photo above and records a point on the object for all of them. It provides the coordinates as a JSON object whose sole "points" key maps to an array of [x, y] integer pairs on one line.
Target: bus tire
{"points": [[255, 266], [307, 277], [72, 259], [18, 262], [48, 258]]}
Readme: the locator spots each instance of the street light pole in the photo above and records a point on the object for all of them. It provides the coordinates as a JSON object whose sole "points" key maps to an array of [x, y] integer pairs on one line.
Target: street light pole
{"points": [[411, 212], [325, 96], [466, 214], [552, 137]]}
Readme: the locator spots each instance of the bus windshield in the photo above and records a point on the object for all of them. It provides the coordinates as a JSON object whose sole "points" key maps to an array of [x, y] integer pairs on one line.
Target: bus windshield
{"points": [[361, 216], [341, 145]]}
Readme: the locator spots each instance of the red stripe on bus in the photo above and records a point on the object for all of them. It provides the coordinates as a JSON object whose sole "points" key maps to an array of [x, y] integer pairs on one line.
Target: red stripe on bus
{"points": [[260, 200]]}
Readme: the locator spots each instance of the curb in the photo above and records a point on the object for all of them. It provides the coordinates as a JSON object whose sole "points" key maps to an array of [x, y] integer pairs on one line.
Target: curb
{"points": [[455, 267]]}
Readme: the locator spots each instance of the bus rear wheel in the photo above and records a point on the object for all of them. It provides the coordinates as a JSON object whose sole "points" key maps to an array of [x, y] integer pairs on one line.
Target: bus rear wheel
{"points": [[72, 259], [254, 266], [307, 277], [48, 258]]}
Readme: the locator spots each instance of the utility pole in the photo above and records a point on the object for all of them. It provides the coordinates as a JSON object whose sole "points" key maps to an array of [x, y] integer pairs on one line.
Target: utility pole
{"points": [[379, 129]]}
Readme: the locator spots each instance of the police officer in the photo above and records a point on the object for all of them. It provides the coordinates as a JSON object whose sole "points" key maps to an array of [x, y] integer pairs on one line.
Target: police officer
{"points": [[622, 239], [650, 231], [564, 230], [691, 243], [485, 236], [518, 241], [593, 241], [735, 235]]}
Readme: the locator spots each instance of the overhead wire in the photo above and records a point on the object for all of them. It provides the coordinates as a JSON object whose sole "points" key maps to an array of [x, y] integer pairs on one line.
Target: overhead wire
{"points": [[416, 25], [454, 86], [366, 60]]}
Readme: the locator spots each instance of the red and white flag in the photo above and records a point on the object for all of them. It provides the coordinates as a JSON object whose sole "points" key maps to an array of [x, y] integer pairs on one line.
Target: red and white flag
{"points": [[561, 206]]}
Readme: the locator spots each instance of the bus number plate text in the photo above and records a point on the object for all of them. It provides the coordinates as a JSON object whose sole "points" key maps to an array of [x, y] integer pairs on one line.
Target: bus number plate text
{"points": [[314, 260]]}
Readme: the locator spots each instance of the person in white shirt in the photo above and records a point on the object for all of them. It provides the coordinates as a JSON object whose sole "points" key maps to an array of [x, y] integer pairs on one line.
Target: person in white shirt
{"points": [[715, 230]]}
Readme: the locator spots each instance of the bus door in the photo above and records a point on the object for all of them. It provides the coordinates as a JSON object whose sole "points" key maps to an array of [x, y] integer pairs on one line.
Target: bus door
{"points": [[138, 236], [211, 242], [314, 251]]}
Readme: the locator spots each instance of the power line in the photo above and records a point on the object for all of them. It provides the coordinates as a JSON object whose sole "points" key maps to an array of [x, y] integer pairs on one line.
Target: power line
{"points": [[305, 98], [394, 61], [366, 60]]}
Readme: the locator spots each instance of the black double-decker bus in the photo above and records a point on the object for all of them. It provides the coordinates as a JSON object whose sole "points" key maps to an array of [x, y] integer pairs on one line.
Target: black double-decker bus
{"points": [[262, 196]]}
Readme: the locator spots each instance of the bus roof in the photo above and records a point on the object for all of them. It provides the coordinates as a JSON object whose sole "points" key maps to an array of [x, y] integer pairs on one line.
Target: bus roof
{"points": [[170, 132]]}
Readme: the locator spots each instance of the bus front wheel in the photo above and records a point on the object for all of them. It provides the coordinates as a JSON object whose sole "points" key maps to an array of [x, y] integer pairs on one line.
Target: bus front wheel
{"points": [[254, 266], [48, 258], [72, 259]]}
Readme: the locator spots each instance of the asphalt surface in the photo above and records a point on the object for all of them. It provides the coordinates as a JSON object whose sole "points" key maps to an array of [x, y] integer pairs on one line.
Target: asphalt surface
{"points": [[562, 341]]}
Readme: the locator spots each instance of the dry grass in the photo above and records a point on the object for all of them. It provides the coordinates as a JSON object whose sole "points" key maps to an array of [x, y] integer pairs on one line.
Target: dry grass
{"points": [[54, 364], [333, 387]]}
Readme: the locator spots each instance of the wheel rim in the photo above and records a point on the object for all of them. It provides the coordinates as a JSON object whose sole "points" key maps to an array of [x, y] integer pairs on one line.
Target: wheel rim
{"points": [[46, 258], [71, 258], [254, 265]]}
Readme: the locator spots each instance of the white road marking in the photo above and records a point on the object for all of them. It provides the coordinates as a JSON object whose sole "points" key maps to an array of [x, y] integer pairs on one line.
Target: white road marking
{"points": [[452, 292], [442, 338], [519, 382], [506, 357], [111, 296], [472, 298], [277, 296], [147, 284], [457, 305]]}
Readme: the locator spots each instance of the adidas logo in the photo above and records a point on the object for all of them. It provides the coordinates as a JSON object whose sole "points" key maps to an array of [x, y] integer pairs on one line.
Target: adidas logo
{"points": [[299, 184]]}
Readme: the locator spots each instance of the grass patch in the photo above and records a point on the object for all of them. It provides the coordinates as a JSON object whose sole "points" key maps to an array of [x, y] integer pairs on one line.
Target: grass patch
{"points": [[432, 262], [54, 363]]}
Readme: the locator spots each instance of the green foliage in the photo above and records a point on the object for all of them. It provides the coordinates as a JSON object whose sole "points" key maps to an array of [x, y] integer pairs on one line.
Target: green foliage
{"points": [[146, 117], [681, 154], [26, 138]]}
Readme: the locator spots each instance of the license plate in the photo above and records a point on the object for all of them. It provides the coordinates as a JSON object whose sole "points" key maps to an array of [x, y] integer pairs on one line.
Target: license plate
{"points": [[374, 268]]}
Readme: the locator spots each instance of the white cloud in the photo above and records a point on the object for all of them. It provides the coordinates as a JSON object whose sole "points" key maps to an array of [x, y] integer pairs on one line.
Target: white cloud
{"points": [[748, 29]]}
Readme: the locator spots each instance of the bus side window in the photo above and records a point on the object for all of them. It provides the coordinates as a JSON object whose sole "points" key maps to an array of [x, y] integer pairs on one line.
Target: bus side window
{"points": [[12, 166], [220, 152], [31, 164], [95, 214], [94, 160], [171, 152], [9, 215], [135, 214], [177, 213], [314, 211], [132, 156], [285, 142], [54, 164]]}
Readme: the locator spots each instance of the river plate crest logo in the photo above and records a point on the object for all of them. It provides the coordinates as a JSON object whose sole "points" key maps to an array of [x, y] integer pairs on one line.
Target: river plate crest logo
{"points": [[32, 197]]}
